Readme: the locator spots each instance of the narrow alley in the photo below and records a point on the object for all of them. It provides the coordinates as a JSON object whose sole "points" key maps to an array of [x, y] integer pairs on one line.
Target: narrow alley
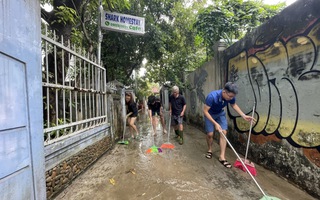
{"points": [[128, 172]]}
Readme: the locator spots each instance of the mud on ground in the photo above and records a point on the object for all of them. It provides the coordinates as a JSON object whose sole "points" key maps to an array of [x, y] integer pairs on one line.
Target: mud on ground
{"points": [[128, 172]]}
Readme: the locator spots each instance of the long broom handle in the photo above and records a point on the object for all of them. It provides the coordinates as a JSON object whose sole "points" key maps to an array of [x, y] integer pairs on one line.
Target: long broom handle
{"points": [[153, 131], [169, 128], [251, 122], [225, 137], [128, 115]]}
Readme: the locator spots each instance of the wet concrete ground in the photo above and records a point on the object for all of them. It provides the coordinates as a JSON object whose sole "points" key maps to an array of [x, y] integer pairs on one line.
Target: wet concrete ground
{"points": [[179, 173]]}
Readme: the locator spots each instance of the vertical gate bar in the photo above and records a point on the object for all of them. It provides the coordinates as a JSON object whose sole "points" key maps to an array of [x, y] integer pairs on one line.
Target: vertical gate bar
{"points": [[89, 87], [97, 89], [56, 82], [105, 95], [63, 90], [85, 94], [80, 85], [99, 94], [47, 88], [93, 94], [70, 91], [76, 91]]}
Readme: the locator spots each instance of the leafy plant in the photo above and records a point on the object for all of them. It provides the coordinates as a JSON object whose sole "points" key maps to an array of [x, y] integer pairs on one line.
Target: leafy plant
{"points": [[231, 19]]}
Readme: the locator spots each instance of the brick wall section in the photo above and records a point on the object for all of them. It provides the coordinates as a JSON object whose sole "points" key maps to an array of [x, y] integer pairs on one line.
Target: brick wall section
{"points": [[62, 175]]}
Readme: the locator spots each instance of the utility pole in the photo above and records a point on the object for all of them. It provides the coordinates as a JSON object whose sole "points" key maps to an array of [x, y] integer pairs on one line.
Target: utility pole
{"points": [[99, 32]]}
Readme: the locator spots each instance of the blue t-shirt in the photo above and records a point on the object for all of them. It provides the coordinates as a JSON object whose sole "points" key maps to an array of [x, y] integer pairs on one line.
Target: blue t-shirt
{"points": [[216, 103]]}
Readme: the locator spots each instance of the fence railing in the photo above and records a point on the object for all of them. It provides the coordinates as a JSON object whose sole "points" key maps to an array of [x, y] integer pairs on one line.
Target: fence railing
{"points": [[74, 88]]}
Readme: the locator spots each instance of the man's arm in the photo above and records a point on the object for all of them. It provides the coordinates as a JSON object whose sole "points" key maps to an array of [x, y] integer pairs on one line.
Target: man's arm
{"points": [[239, 111], [183, 109], [184, 106]]}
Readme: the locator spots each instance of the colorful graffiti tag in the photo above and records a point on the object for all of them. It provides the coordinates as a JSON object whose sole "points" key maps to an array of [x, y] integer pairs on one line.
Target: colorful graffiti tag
{"points": [[282, 77]]}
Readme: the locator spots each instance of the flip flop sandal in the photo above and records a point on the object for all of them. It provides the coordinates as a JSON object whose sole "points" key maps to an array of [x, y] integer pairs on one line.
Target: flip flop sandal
{"points": [[225, 163], [209, 155]]}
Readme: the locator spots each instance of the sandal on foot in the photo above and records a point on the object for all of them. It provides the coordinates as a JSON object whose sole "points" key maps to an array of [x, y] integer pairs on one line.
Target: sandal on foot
{"points": [[209, 155], [225, 163]]}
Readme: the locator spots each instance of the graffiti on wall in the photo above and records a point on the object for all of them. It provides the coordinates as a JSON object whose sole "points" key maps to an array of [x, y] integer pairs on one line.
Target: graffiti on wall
{"points": [[282, 78], [197, 91]]}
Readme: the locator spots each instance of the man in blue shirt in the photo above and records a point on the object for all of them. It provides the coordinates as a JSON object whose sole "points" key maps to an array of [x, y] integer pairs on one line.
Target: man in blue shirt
{"points": [[215, 117]]}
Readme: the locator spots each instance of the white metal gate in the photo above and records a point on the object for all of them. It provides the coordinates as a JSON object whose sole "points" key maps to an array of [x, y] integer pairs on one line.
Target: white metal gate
{"points": [[21, 133]]}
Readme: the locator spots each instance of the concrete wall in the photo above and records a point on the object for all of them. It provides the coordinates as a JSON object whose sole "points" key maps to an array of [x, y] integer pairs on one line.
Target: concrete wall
{"points": [[277, 67], [201, 81]]}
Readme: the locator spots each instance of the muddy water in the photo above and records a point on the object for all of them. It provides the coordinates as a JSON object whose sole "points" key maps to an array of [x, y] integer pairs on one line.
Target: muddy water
{"points": [[179, 173]]}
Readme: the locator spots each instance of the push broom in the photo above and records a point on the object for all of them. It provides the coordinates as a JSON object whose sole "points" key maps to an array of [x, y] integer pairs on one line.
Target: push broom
{"points": [[126, 142], [153, 148], [168, 145], [248, 163], [265, 196]]}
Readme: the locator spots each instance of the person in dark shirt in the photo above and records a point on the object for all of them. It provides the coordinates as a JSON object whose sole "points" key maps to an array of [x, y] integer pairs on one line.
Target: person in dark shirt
{"points": [[155, 108], [215, 117], [132, 108], [177, 106]]}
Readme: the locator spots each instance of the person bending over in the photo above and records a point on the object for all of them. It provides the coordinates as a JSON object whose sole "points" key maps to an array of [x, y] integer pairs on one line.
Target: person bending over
{"points": [[155, 107], [215, 117], [132, 108]]}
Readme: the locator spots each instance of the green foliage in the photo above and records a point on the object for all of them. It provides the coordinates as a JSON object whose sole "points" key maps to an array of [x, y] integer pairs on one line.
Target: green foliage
{"points": [[123, 52], [181, 49], [77, 20], [143, 89], [179, 37], [65, 15], [231, 19]]}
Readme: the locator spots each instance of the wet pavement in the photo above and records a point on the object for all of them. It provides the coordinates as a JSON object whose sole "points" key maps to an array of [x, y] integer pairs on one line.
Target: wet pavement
{"points": [[128, 172]]}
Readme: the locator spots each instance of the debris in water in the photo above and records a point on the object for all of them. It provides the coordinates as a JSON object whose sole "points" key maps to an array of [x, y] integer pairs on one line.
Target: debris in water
{"points": [[112, 181]]}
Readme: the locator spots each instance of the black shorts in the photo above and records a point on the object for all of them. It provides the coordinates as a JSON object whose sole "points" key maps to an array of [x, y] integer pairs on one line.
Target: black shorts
{"points": [[154, 112]]}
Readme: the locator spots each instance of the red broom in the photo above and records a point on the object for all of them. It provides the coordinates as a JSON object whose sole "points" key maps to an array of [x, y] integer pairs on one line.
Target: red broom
{"points": [[248, 163], [168, 145]]}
